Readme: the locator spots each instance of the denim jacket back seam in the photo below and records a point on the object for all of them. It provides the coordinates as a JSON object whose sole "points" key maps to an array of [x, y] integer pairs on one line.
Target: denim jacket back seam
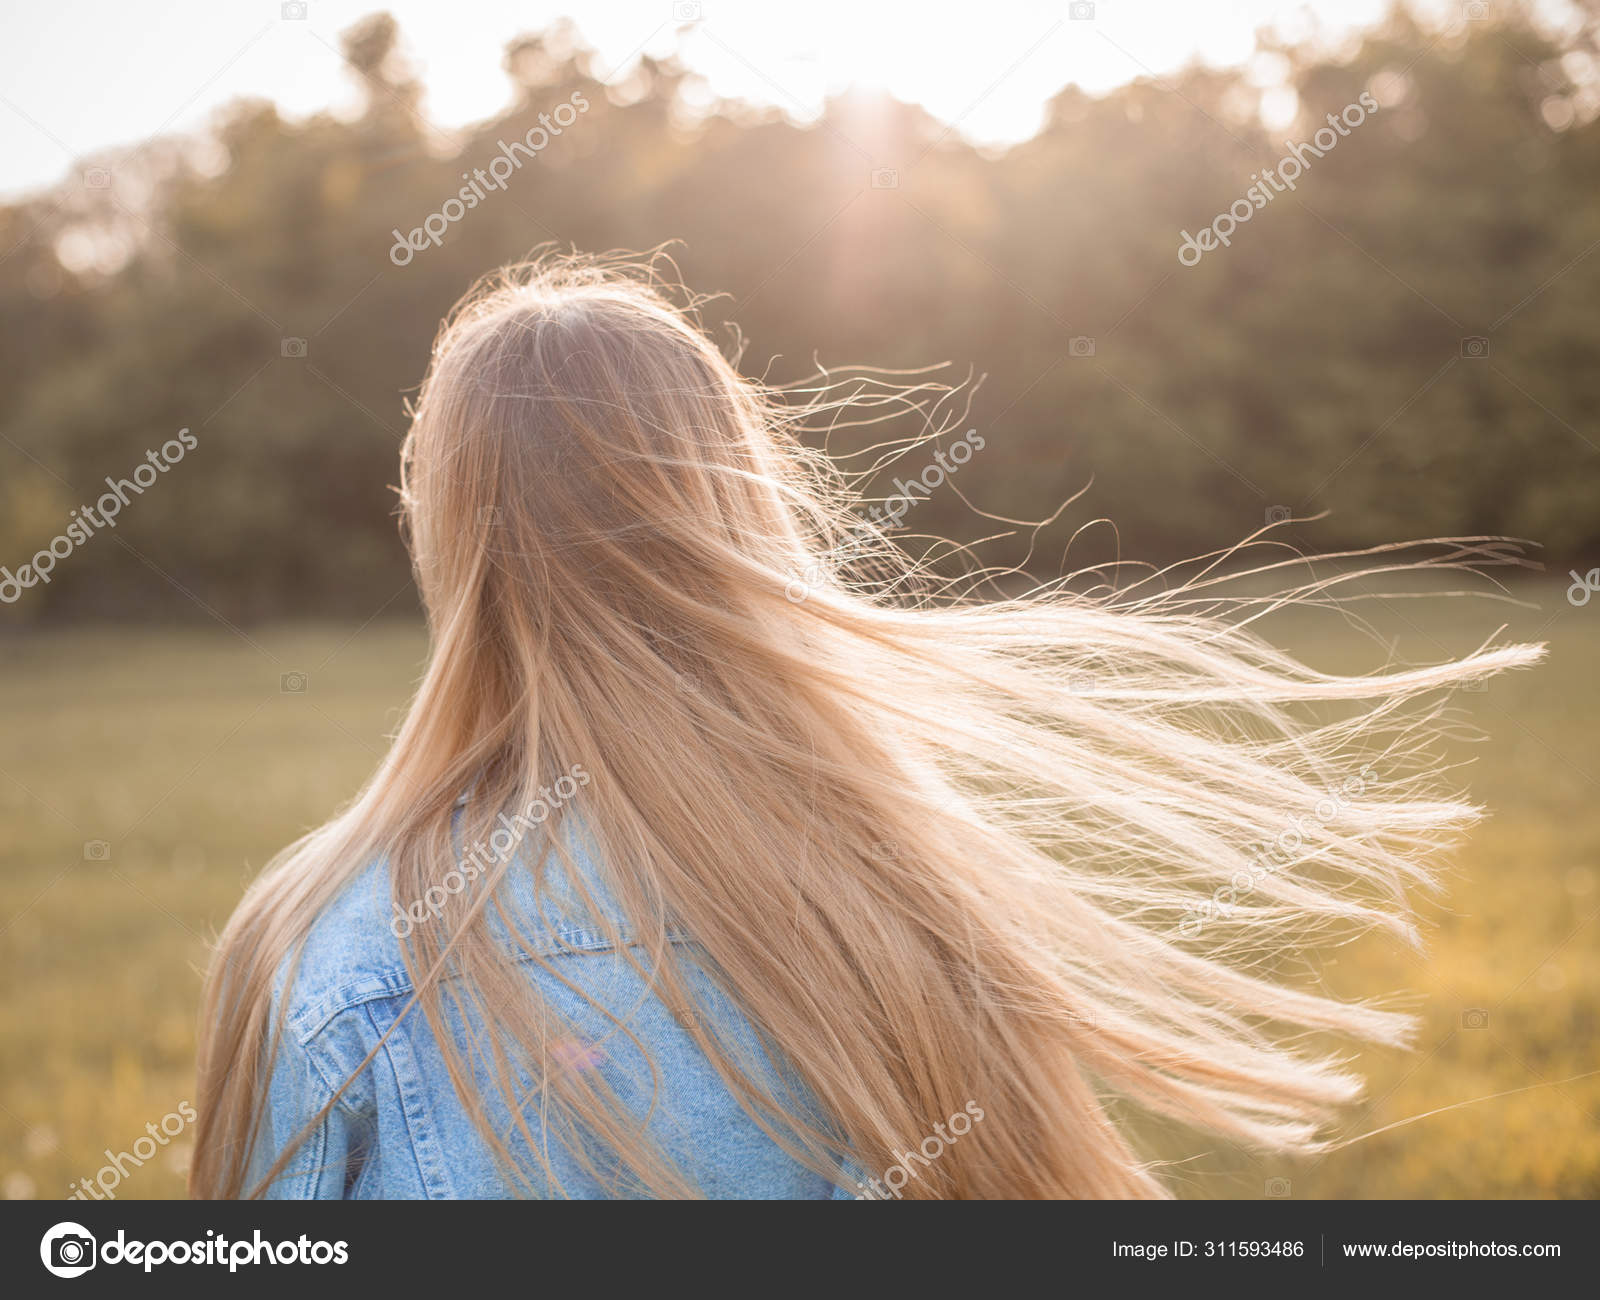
{"points": [[311, 1018]]}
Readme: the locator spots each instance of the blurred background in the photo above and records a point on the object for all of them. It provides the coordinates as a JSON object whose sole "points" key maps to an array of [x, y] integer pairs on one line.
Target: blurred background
{"points": [[227, 235]]}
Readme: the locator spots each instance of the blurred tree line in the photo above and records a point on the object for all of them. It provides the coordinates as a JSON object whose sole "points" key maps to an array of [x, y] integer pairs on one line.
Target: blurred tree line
{"points": [[1406, 341]]}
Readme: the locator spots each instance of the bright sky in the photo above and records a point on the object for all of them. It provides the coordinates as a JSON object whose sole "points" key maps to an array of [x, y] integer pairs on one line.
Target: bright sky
{"points": [[78, 76]]}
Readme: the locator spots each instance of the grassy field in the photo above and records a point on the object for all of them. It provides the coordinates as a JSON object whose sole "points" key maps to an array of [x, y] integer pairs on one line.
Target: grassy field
{"points": [[191, 757]]}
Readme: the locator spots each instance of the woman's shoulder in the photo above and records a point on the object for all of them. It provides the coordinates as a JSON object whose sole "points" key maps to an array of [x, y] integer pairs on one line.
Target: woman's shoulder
{"points": [[350, 955], [353, 953]]}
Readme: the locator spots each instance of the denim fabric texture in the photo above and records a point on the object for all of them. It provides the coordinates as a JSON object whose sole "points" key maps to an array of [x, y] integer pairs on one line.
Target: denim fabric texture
{"points": [[399, 1130]]}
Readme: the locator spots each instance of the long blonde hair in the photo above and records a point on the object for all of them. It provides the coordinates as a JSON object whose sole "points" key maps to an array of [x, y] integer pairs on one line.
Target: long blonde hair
{"points": [[938, 845]]}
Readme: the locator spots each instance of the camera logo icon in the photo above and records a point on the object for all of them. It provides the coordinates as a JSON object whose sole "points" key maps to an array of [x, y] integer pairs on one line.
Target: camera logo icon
{"points": [[686, 11], [293, 11], [294, 347], [292, 684], [67, 1250], [97, 850], [1474, 347], [885, 178], [97, 178], [1082, 346]]}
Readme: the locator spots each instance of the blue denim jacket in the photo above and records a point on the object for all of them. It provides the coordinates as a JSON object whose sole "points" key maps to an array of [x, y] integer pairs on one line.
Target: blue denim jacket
{"points": [[399, 1130]]}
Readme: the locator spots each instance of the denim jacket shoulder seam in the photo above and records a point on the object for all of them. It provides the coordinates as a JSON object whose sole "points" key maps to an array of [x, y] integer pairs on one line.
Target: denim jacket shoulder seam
{"points": [[312, 1017], [314, 1054]]}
